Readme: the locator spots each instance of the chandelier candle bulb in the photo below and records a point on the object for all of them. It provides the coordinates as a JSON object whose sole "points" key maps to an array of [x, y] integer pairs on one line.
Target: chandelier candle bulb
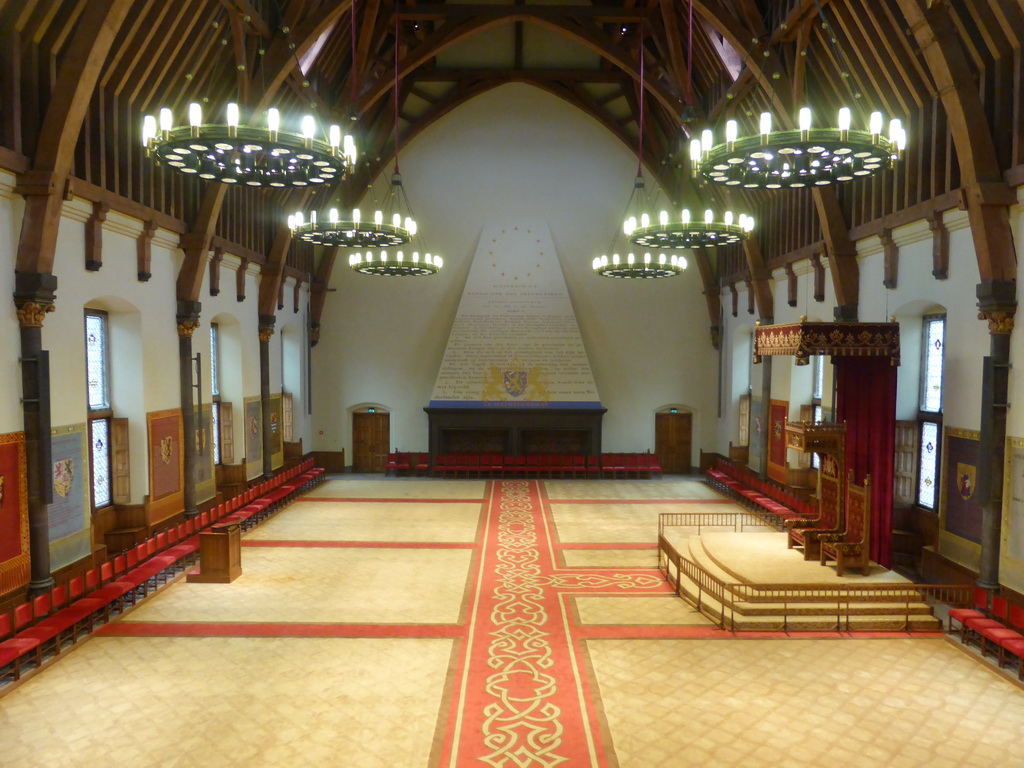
{"points": [[334, 137], [273, 121], [232, 115], [663, 218], [378, 218], [333, 216], [166, 120], [805, 119], [355, 216], [396, 220], [728, 218], [686, 215], [875, 125], [709, 216], [844, 120], [732, 131], [148, 129], [312, 218], [195, 115], [308, 127], [766, 126], [707, 140], [645, 220]]}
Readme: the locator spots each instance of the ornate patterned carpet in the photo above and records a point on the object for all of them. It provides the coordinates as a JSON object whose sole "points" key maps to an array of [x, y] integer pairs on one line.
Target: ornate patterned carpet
{"points": [[506, 624]]}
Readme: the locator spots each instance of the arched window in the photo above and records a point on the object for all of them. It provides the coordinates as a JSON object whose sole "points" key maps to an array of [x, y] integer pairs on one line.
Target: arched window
{"points": [[97, 366], [930, 408]]}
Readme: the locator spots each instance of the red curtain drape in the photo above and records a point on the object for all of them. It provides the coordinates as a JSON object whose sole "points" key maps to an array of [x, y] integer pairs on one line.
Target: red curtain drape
{"points": [[866, 401]]}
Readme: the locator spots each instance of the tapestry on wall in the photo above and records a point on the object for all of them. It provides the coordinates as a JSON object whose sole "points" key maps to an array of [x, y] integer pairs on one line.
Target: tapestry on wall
{"points": [[778, 411], [166, 465], [757, 428], [1011, 572], [14, 547], [203, 439], [276, 431], [960, 507], [253, 411], [69, 512]]}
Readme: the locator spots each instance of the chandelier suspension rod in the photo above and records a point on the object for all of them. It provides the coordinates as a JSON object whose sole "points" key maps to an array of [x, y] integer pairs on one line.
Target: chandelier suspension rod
{"points": [[396, 86], [640, 153]]}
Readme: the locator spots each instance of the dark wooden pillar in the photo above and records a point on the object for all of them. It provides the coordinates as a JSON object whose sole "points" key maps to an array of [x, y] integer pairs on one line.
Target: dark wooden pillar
{"points": [[266, 332], [766, 400], [997, 303], [33, 298], [188, 321]]}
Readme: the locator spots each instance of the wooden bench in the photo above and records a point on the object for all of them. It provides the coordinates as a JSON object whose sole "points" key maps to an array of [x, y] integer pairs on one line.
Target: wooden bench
{"points": [[762, 496], [852, 546]]}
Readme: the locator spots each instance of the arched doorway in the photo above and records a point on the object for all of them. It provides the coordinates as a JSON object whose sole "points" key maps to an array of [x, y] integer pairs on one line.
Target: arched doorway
{"points": [[371, 436], [673, 440]]}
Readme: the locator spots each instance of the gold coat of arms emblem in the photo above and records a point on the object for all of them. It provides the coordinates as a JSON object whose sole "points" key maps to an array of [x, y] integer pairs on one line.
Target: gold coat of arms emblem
{"points": [[63, 476], [166, 448]]}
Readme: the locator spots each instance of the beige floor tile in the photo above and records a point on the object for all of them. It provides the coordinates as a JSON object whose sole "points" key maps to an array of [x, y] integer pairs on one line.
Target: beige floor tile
{"points": [[230, 702], [638, 611], [610, 558], [399, 488], [733, 703], [629, 489], [609, 523], [372, 521], [324, 584]]}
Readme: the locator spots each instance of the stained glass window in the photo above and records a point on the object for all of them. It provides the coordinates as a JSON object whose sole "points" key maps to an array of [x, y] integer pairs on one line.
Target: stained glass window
{"points": [[928, 464], [99, 432], [215, 427], [214, 360], [96, 361], [819, 376], [819, 416], [931, 369]]}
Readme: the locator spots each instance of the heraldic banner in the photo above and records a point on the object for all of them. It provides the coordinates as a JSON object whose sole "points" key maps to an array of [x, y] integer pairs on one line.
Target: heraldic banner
{"points": [[166, 465], [14, 552], [70, 537], [959, 505], [253, 410], [202, 427], [777, 415], [276, 432]]}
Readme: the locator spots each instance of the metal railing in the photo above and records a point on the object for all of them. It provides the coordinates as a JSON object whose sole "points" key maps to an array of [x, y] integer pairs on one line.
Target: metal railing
{"points": [[700, 520], [791, 600]]}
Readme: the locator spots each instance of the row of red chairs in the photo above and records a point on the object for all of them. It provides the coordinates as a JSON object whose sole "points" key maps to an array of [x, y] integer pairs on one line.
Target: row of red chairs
{"points": [[742, 484], [562, 465], [1002, 625], [69, 610]]}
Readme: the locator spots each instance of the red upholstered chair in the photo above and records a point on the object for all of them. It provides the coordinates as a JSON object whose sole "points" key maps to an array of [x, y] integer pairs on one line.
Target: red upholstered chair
{"points": [[14, 649], [421, 465], [999, 614], [979, 611]]}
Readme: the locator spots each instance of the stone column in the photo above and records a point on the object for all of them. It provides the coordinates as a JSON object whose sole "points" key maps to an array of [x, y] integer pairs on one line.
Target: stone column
{"points": [[188, 321], [997, 304], [266, 332], [33, 298], [766, 400]]}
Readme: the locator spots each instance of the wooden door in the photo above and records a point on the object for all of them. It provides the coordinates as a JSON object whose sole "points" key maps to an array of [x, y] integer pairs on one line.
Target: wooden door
{"points": [[371, 436], [673, 437], [905, 464]]}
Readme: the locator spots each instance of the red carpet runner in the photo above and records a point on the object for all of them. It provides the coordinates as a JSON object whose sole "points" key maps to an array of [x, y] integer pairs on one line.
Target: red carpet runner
{"points": [[521, 697]]}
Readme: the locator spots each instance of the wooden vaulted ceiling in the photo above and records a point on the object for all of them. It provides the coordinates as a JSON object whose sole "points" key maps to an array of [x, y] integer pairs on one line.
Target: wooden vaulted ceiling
{"points": [[705, 61]]}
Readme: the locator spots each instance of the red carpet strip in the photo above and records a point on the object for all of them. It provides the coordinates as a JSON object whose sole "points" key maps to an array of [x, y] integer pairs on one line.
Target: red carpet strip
{"points": [[521, 698], [257, 629], [308, 499]]}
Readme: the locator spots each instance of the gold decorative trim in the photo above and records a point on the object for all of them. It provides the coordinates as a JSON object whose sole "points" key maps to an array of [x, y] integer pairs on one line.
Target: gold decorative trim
{"points": [[1000, 321], [803, 339], [266, 334], [187, 327], [32, 313]]}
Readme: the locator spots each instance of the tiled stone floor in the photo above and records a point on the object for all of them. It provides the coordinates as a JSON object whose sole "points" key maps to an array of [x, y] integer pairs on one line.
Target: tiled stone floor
{"points": [[354, 701]]}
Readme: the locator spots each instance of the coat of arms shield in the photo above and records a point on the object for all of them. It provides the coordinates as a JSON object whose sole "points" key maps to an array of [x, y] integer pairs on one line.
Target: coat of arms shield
{"points": [[63, 475], [166, 446], [516, 382]]}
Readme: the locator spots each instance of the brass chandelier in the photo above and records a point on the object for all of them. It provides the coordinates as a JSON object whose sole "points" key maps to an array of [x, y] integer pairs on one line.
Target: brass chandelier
{"points": [[250, 155], [794, 159]]}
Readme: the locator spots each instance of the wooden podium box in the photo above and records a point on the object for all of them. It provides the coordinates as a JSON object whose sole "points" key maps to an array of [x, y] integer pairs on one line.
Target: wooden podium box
{"points": [[220, 555]]}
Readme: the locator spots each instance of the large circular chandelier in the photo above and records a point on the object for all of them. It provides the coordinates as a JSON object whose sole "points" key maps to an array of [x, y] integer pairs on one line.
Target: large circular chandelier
{"points": [[792, 159], [391, 224], [234, 153], [395, 264]]}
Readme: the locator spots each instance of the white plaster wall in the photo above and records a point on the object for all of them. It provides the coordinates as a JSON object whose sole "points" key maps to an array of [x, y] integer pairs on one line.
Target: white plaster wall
{"points": [[10, 342], [515, 153]]}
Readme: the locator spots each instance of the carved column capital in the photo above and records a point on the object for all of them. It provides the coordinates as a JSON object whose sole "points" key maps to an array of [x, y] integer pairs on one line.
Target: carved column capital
{"points": [[31, 313], [314, 334], [997, 303], [186, 327], [266, 327]]}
